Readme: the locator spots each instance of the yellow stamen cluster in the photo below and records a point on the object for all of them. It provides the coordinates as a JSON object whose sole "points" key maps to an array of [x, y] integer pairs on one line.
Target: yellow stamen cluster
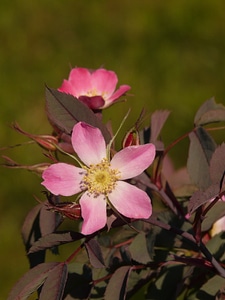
{"points": [[100, 178], [94, 92]]}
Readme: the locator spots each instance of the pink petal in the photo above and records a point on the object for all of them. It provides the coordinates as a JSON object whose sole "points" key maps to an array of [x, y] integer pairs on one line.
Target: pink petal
{"points": [[121, 91], [104, 82], [88, 143], [79, 82], [67, 88], [93, 211], [131, 201], [63, 179], [133, 160]]}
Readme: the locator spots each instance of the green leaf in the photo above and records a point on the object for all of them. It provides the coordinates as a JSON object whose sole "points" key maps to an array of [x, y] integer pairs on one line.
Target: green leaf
{"points": [[167, 284], [139, 250], [31, 281], [209, 112], [64, 111], [212, 286], [116, 288], [216, 246], [214, 214], [201, 149], [95, 253], [53, 287]]}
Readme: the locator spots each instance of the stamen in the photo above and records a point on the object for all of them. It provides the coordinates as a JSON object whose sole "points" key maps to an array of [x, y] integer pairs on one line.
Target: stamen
{"points": [[100, 178]]}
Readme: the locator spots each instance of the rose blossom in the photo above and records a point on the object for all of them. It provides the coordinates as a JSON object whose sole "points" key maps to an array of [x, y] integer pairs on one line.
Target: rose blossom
{"points": [[94, 88], [101, 181]]}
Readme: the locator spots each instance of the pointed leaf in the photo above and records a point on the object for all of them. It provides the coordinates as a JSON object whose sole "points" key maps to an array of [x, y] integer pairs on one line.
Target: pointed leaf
{"points": [[31, 281], [64, 111], [139, 250], [213, 215], [95, 253], [209, 112], [54, 285], [201, 197], [158, 120], [217, 164], [116, 288], [55, 239], [201, 149], [48, 221], [29, 223]]}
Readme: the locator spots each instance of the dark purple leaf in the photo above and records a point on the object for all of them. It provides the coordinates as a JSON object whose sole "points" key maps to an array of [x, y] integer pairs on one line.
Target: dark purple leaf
{"points": [[201, 197], [55, 239], [116, 288], [48, 221], [64, 111], [158, 120], [209, 112], [201, 149], [31, 281], [53, 287], [95, 253], [28, 224], [217, 164]]}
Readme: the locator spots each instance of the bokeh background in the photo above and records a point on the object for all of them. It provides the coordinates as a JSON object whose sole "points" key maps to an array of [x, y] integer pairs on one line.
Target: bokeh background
{"points": [[170, 52]]}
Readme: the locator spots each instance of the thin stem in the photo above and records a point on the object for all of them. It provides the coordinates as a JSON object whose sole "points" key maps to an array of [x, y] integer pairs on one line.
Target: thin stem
{"points": [[71, 257]]}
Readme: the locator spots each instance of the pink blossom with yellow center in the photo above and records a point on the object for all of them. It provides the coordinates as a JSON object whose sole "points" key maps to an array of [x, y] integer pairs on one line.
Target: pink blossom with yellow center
{"points": [[94, 88], [101, 181]]}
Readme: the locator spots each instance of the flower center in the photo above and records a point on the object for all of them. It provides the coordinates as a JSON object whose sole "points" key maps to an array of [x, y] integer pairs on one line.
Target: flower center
{"points": [[100, 178], [94, 92]]}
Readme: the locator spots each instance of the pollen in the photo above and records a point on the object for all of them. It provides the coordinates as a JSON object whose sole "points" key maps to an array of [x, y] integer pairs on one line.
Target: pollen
{"points": [[94, 92], [100, 178]]}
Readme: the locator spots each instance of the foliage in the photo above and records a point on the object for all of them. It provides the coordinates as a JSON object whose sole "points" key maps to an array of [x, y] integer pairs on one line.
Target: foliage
{"points": [[174, 254]]}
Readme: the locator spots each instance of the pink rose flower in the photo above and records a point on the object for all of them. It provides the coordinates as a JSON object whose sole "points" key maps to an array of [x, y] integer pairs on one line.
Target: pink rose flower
{"points": [[101, 181], [96, 89]]}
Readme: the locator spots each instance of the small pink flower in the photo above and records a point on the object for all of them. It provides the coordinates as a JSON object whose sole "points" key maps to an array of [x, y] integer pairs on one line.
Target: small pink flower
{"points": [[101, 181], [96, 89]]}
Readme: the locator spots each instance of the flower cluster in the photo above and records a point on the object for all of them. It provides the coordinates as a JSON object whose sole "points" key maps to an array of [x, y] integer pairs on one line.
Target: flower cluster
{"points": [[99, 180], [143, 224]]}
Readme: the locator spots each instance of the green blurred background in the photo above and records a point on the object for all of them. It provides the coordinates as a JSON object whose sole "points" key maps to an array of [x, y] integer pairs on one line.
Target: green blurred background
{"points": [[170, 52]]}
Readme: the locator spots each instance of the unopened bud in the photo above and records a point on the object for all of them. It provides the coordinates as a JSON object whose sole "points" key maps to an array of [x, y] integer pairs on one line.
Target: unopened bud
{"points": [[131, 139], [37, 168], [48, 142]]}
